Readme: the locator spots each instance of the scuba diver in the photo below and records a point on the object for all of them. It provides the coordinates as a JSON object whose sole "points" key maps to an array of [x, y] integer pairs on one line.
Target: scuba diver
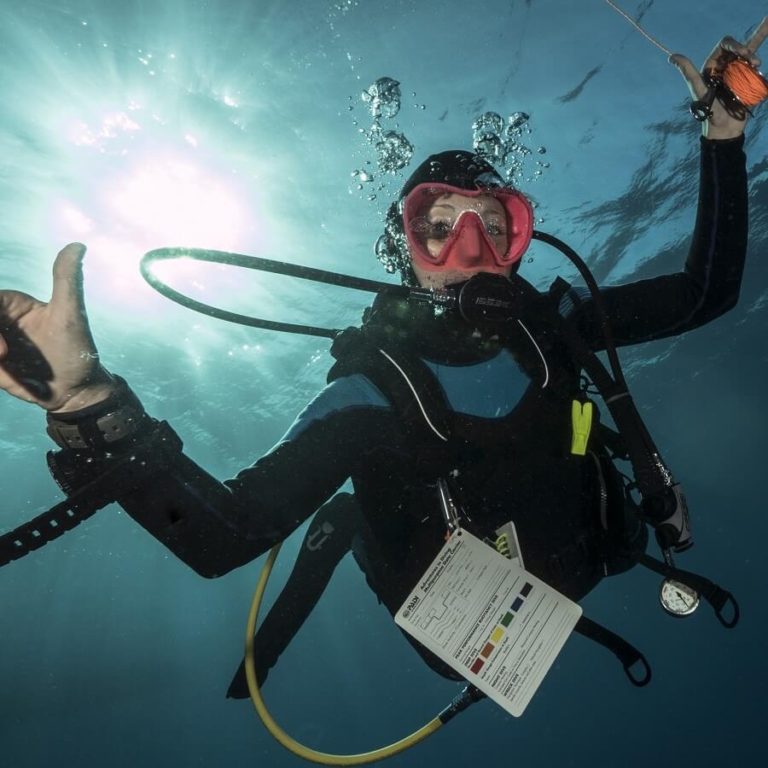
{"points": [[419, 402]]}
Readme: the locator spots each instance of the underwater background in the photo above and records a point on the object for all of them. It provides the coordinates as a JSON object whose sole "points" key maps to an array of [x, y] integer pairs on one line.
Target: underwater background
{"points": [[253, 127]]}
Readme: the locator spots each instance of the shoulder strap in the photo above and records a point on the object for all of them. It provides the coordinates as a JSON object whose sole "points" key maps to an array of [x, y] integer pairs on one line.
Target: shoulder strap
{"points": [[405, 380], [653, 480]]}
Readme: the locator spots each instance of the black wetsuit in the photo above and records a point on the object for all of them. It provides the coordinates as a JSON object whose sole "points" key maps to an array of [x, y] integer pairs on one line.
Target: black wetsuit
{"points": [[510, 403]]}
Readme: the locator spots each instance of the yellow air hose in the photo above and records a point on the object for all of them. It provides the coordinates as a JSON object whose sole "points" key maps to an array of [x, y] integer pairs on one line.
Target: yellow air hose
{"points": [[290, 743]]}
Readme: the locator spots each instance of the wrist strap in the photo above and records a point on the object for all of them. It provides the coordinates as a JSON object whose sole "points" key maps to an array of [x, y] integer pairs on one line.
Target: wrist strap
{"points": [[127, 473], [100, 426]]}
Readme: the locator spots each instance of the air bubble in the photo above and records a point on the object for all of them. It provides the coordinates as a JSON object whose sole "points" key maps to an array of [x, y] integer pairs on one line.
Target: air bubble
{"points": [[488, 146], [518, 120], [394, 151], [383, 97], [488, 123]]}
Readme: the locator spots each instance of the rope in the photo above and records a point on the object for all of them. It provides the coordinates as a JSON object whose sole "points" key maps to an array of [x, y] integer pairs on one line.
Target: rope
{"points": [[637, 26]]}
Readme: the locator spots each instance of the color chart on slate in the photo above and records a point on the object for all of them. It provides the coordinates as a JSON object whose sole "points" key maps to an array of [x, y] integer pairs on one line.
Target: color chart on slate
{"points": [[499, 631]]}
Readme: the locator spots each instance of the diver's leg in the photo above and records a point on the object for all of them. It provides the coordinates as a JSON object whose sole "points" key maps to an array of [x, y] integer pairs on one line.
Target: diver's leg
{"points": [[327, 540]]}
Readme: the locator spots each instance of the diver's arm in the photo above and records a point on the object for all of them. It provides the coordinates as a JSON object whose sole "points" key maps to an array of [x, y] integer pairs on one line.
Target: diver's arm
{"points": [[113, 451], [213, 526], [710, 282]]}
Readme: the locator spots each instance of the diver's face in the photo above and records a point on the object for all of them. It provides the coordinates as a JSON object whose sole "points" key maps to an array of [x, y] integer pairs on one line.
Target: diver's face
{"points": [[475, 214]]}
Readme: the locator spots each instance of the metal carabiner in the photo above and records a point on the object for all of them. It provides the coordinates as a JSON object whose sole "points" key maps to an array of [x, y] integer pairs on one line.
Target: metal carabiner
{"points": [[448, 507]]}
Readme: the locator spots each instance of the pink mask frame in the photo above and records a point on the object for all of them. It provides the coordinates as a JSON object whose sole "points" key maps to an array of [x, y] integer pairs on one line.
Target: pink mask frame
{"points": [[519, 214]]}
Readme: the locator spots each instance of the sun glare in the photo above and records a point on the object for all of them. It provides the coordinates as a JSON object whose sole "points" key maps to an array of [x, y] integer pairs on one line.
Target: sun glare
{"points": [[174, 201]]}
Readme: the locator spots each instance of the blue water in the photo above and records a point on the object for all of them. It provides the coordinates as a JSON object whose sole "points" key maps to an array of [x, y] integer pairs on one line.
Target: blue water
{"points": [[237, 125]]}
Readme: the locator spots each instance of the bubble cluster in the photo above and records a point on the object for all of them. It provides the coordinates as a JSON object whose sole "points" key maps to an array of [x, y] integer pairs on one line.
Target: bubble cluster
{"points": [[383, 97], [489, 123], [364, 180], [345, 6], [388, 249], [393, 150], [517, 120], [501, 142]]}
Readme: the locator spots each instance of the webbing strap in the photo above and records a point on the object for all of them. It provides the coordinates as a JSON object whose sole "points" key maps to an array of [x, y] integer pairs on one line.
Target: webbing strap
{"points": [[637, 441], [61, 518], [90, 498], [627, 654], [639, 444]]}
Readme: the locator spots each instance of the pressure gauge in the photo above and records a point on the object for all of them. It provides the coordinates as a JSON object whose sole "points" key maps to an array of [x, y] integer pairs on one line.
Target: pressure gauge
{"points": [[678, 599]]}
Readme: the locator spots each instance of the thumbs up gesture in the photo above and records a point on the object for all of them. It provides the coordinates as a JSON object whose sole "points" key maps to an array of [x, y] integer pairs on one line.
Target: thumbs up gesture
{"points": [[47, 353]]}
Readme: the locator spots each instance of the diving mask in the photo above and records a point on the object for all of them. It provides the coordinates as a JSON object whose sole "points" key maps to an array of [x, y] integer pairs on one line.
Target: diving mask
{"points": [[453, 228]]}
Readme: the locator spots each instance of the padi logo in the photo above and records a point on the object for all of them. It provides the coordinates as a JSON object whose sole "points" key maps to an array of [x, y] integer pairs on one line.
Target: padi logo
{"points": [[411, 606]]}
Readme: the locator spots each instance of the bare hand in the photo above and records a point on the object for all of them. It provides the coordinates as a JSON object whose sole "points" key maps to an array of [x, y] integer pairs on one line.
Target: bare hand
{"points": [[721, 125], [47, 354]]}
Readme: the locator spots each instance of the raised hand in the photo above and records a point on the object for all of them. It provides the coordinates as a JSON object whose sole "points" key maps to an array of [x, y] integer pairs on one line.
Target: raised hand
{"points": [[721, 124], [47, 353]]}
